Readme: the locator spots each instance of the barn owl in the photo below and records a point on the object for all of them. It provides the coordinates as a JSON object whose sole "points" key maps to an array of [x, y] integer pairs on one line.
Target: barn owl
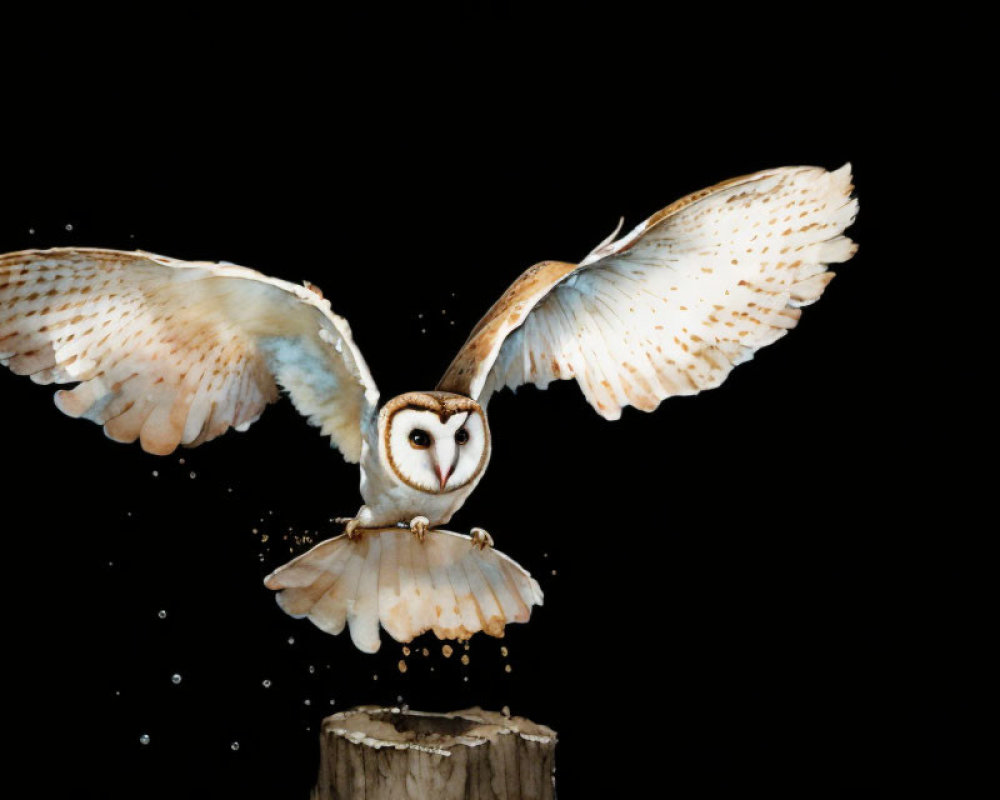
{"points": [[172, 353]]}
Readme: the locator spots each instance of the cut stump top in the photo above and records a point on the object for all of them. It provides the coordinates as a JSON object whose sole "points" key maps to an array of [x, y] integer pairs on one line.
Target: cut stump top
{"points": [[438, 733]]}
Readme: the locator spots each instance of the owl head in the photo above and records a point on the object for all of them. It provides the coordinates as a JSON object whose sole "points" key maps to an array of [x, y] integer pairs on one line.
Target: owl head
{"points": [[435, 442]]}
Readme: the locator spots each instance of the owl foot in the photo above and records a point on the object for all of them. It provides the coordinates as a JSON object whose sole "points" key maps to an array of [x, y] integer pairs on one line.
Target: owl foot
{"points": [[352, 527], [481, 538], [419, 526]]}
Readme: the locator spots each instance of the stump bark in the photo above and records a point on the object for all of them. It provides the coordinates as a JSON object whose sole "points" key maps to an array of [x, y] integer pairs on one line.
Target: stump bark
{"points": [[372, 753]]}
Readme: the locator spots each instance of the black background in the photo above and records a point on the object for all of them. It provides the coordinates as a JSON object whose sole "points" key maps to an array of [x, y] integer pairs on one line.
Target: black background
{"points": [[765, 587]]}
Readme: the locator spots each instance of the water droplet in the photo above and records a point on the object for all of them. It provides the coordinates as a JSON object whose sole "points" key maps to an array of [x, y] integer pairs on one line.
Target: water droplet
{"points": [[175, 679], [507, 668], [156, 473], [144, 739], [466, 679], [180, 460], [465, 659], [332, 701], [266, 683], [234, 746], [291, 640], [406, 650], [31, 231], [162, 614], [307, 702], [402, 665], [425, 652], [374, 677], [423, 330], [504, 651], [69, 226], [312, 670], [419, 316], [554, 572], [193, 475], [447, 650]]}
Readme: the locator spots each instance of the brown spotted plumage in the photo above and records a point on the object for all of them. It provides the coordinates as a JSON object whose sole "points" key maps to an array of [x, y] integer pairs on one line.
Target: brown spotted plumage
{"points": [[670, 308], [171, 352], [175, 353]]}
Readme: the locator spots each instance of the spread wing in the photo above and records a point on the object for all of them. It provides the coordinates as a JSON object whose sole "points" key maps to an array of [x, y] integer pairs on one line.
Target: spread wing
{"points": [[172, 352], [673, 306]]}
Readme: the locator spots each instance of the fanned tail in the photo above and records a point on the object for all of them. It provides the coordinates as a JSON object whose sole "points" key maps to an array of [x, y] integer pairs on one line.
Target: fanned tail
{"points": [[443, 584]]}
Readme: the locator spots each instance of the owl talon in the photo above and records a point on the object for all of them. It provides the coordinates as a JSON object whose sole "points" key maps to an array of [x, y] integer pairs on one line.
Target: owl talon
{"points": [[481, 538], [353, 529], [419, 526]]}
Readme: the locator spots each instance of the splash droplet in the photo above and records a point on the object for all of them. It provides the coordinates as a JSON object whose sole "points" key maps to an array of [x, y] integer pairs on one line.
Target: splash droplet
{"points": [[266, 683], [446, 651], [144, 739], [234, 746], [465, 659], [162, 614], [402, 665], [175, 678]]}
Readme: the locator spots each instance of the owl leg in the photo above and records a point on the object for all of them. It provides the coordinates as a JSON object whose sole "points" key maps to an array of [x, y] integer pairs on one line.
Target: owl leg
{"points": [[481, 538], [419, 526]]}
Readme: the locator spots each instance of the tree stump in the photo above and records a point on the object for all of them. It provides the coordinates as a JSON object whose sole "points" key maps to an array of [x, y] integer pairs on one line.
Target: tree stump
{"points": [[373, 753]]}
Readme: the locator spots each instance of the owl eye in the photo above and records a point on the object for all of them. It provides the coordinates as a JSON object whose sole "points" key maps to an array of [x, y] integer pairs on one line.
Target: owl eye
{"points": [[420, 439], [461, 436]]}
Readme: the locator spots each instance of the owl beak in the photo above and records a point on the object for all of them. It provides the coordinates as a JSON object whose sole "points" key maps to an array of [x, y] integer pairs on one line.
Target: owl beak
{"points": [[444, 454]]}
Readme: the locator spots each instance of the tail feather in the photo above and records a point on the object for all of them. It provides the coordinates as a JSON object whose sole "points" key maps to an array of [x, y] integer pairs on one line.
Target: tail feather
{"points": [[443, 584]]}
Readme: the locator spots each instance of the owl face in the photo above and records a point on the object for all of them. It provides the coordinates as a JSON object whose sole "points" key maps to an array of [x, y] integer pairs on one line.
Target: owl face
{"points": [[434, 441]]}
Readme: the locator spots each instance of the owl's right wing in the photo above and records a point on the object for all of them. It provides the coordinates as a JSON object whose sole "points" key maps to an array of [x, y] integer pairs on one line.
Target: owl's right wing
{"points": [[173, 352], [673, 306]]}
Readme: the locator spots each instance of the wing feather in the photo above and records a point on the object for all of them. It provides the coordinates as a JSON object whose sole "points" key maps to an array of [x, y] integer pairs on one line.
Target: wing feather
{"points": [[172, 352], [672, 307]]}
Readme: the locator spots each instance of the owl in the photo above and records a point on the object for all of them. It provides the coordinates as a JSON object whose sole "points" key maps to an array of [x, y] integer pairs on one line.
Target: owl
{"points": [[173, 353]]}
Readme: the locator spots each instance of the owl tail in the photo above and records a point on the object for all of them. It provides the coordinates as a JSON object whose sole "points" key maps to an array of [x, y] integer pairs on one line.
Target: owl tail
{"points": [[442, 584]]}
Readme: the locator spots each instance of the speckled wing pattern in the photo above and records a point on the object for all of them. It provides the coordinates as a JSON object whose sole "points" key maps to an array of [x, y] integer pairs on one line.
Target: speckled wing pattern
{"points": [[672, 307], [172, 352], [442, 584]]}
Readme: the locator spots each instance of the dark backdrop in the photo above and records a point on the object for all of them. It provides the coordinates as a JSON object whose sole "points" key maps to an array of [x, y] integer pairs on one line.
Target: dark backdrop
{"points": [[746, 590]]}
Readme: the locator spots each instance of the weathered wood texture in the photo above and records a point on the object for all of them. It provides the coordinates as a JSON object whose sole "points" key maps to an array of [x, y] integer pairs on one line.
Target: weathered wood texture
{"points": [[373, 753]]}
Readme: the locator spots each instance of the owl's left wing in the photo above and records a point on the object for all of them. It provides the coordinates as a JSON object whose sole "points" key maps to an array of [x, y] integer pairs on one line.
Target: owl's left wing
{"points": [[673, 306]]}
